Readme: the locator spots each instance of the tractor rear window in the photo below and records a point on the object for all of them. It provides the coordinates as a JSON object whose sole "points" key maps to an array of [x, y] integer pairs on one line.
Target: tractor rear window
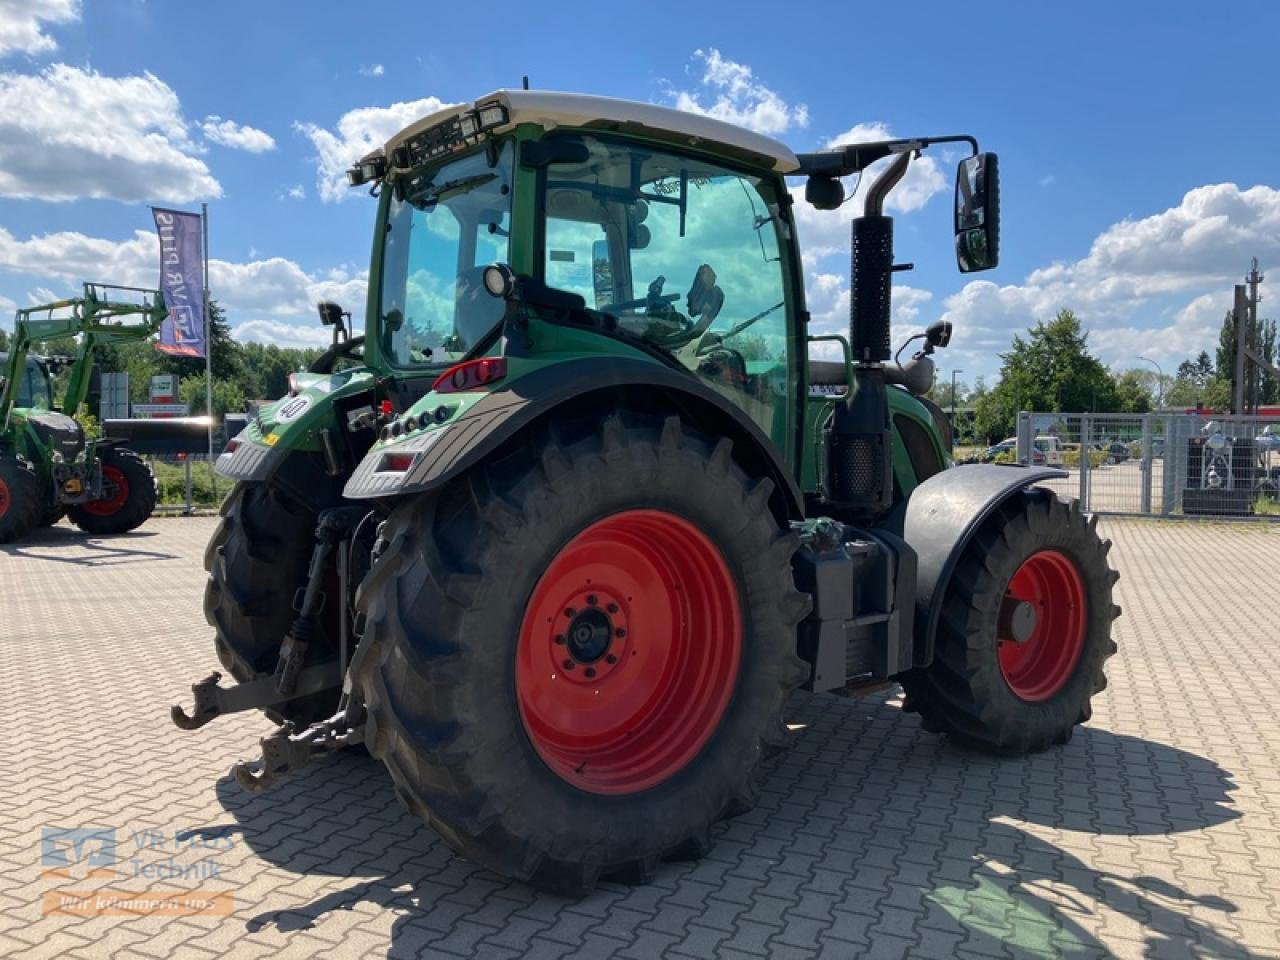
{"points": [[686, 254]]}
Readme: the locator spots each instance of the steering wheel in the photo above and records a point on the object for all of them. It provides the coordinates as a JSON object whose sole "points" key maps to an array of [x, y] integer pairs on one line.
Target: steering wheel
{"points": [[339, 351], [654, 300]]}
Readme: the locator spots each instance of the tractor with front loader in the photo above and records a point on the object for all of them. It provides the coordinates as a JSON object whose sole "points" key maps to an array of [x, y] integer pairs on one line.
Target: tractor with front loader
{"points": [[48, 468], [559, 535]]}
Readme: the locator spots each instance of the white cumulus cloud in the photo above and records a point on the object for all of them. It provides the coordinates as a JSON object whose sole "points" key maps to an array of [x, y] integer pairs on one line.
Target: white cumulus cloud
{"points": [[372, 70], [1158, 285], [22, 24], [271, 292], [731, 91], [68, 133], [357, 132], [228, 133]]}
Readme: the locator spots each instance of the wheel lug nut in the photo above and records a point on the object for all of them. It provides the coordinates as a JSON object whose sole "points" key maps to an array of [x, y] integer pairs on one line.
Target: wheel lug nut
{"points": [[590, 671], [612, 608], [611, 659], [591, 600], [570, 612], [568, 664], [560, 638], [620, 632]]}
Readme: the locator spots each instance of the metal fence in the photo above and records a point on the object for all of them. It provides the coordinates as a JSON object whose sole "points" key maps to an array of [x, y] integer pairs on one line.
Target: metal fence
{"points": [[1159, 464]]}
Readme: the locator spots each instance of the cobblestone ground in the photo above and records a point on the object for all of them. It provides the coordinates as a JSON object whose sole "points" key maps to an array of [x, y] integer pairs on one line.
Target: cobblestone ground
{"points": [[1155, 832]]}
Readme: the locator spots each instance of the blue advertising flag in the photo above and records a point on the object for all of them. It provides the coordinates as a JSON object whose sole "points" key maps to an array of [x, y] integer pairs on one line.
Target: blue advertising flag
{"points": [[181, 282]]}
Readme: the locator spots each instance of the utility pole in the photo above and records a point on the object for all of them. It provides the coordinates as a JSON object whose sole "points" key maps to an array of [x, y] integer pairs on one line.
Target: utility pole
{"points": [[1255, 373], [1159, 380], [1246, 373]]}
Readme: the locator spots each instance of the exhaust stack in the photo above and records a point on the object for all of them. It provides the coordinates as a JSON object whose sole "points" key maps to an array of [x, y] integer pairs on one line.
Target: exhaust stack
{"points": [[860, 455]]}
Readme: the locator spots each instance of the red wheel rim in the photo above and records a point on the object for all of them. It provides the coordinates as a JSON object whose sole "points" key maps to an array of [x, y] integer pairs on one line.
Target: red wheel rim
{"points": [[628, 652], [1041, 665], [4, 497], [109, 505]]}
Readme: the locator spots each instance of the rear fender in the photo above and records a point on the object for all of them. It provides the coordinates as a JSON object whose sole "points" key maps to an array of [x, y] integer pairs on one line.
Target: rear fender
{"points": [[446, 451], [942, 517], [291, 426]]}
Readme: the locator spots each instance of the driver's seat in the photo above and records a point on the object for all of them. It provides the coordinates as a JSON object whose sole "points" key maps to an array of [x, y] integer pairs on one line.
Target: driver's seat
{"points": [[705, 299]]}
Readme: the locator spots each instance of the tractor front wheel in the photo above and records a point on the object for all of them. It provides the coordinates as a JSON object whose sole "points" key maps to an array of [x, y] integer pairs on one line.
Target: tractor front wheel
{"points": [[129, 495], [577, 655], [1025, 629], [20, 498]]}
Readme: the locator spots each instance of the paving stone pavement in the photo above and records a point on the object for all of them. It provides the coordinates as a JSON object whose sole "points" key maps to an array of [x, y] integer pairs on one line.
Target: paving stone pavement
{"points": [[1154, 832]]}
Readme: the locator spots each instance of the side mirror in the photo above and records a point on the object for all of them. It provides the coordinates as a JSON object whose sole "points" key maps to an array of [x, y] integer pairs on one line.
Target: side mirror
{"points": [[938, 333], [331, 314], [978, 213]]}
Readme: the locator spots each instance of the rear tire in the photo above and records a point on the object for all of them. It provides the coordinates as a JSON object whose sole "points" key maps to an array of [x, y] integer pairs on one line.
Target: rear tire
{"points": [[20, 498], [257, 560], [523, 771], [999, 695], [130, 501]]}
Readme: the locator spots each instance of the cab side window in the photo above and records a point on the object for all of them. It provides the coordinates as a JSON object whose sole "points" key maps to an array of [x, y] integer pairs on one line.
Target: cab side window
{"points": [[686, 254]]}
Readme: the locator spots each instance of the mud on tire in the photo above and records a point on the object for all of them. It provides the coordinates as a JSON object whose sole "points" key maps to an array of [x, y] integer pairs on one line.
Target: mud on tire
{"points": [[965, 693], [445, 606]]}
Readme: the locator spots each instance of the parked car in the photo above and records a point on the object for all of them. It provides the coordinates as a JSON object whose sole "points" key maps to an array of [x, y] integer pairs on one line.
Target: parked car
{"points": [[1117, 452], [1008, 450]]}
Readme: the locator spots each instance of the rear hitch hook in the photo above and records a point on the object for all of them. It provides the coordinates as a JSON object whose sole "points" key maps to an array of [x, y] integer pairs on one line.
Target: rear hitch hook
{"points": [[206, 707]]}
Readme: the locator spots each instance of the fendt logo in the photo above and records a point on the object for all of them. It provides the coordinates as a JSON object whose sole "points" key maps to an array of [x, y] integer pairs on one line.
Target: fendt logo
{"points": [[78, 851]]}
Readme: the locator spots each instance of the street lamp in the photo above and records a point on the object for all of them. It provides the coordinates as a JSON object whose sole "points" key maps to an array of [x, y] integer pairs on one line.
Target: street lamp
{"points": [[1159, 381]]}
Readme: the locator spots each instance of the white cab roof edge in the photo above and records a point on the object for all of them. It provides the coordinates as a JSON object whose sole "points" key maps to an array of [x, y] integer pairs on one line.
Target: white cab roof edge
{"points": [[551, 109]]}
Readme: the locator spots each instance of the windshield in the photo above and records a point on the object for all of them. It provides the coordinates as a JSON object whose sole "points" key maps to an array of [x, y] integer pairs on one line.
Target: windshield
{"points": [[444, 225], [33, 388]]}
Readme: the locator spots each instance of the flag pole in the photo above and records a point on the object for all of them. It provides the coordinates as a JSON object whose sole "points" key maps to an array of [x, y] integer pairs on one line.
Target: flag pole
{"points": [[208, 344]]}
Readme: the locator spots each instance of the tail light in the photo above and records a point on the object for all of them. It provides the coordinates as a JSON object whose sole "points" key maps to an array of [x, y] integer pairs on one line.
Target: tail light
{"points": [[396, 462], [471, 374]]}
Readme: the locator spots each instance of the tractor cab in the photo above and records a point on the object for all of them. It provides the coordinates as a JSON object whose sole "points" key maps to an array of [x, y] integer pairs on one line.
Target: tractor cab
{"points": [[35, 388]]}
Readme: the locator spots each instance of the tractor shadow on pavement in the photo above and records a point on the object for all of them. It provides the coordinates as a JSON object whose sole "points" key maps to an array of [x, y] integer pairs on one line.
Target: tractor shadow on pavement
{"points": [[869, 828], [62, 543]]}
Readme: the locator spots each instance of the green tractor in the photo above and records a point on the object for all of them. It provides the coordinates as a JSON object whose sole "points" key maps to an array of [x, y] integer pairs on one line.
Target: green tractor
{"points": [[557, 538], [48, 469]]}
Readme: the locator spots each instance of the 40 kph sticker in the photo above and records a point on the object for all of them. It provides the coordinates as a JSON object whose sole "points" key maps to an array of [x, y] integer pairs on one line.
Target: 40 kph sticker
{"points": [[293, 408]]}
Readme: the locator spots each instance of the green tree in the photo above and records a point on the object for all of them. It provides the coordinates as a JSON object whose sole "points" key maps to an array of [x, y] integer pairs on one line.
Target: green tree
{"points": [[1269, 347], [1051, 371], [1133, 391], [228, 397], [1225, 359], [4, 340]]}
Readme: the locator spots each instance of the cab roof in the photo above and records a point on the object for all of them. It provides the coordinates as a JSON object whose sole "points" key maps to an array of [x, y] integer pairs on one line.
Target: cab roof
{"points": [[550, 109]]}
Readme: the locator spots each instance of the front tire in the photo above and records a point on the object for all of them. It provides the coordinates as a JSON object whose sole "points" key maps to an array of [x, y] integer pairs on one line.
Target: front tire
{"points": [[257, 560], [20, 498], [577, 656], [1024, 632], [129, 500]]}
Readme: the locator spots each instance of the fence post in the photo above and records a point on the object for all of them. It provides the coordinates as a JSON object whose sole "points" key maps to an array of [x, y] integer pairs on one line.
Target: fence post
{"points": [[187, 470], [1085, 431], [1146, 463], [1174, 462]]}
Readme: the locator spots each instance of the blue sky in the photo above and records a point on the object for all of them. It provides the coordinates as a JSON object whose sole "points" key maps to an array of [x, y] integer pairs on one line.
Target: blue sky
{"points": [[1138, 142]]}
